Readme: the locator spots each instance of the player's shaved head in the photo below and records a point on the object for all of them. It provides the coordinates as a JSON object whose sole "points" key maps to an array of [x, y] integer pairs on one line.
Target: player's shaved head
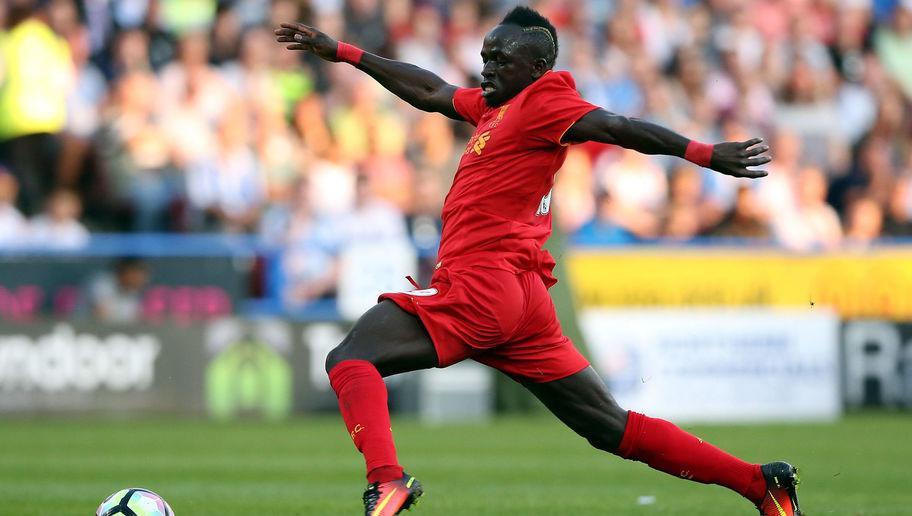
{"points": [[538, 35]]}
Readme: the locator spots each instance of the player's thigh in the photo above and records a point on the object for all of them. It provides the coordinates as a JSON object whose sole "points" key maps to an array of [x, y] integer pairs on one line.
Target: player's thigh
{"points": [[583, 403], [392, 339]]}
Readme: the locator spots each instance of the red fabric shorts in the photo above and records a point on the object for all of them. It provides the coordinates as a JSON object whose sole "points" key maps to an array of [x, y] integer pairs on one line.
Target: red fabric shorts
{"points": [[500, 318]]}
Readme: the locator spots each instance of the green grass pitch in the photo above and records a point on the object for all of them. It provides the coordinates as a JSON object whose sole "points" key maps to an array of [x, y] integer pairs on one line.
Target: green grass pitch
{"points": [[515, 466]]}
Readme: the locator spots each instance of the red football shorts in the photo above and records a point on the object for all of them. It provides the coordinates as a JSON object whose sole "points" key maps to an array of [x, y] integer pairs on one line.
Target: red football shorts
{"points": [[502, 319]]}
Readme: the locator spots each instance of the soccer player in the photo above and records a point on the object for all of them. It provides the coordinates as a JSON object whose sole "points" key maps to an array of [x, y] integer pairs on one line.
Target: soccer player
{"points": [[488, 297]]}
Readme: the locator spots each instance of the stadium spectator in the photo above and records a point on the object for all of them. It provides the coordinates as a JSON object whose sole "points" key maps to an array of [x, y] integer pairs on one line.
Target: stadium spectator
{"points": [[687, 192], [433, 143], [364, 23], [574, 203], [637, 190], [116, 296], [373, 219], [251, 75], [84, 103], [681, 223], [422, 46], [865, 221], [778, 193], [225, 188], [136, 153], [816, 225], [746, 220], [193, 97], [36, 75], [59, 227], [333, 186], [292, 80], [307, 268], [79, 168], [280, 154], [605, 227], [368, 127], [894, 46], [226, 34], [899, 216], [13, 226], [462, 34]]}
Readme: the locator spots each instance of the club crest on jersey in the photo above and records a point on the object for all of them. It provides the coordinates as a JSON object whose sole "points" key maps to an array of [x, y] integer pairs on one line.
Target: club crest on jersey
{"points": [[500, 115], [545, 205]]}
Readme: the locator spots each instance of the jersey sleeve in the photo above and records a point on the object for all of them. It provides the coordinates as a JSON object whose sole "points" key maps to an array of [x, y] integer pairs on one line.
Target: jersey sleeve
{"points": [[557, 107], [469, 103]]}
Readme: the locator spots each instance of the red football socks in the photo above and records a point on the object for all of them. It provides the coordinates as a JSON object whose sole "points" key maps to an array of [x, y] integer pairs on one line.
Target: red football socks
{"points": [[363, 403], [665, 447]]}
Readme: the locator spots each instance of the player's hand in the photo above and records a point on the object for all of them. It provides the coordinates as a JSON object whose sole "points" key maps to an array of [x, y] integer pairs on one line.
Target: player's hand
{"points": [[306, 38], [734, 158]]}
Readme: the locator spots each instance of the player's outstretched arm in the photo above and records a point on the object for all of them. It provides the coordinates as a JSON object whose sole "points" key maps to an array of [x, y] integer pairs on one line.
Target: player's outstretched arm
{"points": [[417, 86], [729, 158]]}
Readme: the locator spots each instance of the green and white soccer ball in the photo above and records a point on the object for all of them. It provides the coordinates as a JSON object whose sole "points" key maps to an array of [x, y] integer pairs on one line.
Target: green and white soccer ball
{"points": [[134, 501]]}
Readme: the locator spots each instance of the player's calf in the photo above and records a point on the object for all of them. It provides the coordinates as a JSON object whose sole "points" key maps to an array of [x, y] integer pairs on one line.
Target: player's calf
{"points": [[583, 403]]}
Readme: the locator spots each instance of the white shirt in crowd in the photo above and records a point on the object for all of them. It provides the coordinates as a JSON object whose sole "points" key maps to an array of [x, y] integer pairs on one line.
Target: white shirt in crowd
{"points": [[13, 227], [57, 234]]}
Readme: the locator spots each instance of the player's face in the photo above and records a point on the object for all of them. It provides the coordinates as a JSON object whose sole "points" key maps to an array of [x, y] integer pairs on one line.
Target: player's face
{"points": [[508, 65]]}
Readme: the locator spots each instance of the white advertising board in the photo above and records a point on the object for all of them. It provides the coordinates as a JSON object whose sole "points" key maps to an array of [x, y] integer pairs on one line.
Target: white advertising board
{"points": [[719, 365]]}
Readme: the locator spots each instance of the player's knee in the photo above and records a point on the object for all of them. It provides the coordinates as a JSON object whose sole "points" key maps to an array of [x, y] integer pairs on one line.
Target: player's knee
{"points": [[333, 358], [339, 353], [348, 349]]}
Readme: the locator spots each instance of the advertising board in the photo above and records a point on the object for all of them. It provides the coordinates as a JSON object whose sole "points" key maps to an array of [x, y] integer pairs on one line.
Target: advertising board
{"points": [[62, 367], [872, 284], [180, 287], [877, 357], [688, 365], [719, 365]]}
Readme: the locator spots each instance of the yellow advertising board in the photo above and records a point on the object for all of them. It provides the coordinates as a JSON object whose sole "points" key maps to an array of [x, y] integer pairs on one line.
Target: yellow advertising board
{"points": [[876, 283]]}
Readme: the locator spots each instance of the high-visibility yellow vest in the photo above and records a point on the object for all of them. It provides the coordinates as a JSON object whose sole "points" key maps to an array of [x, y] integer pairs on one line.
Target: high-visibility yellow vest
{"points": [[36, 73]]}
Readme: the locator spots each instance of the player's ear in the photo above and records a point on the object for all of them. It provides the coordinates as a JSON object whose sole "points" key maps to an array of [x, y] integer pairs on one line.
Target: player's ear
{"points": [[539, 67]]}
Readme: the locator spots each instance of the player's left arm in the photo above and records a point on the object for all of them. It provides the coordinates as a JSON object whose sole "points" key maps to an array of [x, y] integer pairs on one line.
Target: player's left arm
{"points": [[729, 158]]}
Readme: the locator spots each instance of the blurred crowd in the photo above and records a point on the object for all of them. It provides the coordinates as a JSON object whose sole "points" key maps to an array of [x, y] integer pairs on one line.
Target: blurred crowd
{"points": [[185, 115]]}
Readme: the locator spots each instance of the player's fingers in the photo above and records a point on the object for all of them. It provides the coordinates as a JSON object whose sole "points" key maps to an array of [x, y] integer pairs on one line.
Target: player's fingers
{"points": [[753, 162], [751, 142], [753, 151], [293, 37], [285, 39], [300, 27], [290, 29], [751, 174], [297, 46]]}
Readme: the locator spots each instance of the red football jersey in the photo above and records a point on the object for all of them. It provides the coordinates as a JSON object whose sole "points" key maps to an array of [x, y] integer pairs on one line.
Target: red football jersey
{"points": [[497, 213]]}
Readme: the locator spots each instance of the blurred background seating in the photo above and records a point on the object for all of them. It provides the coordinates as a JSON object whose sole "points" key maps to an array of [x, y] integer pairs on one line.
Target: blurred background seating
{"points": [[171, 117]]}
